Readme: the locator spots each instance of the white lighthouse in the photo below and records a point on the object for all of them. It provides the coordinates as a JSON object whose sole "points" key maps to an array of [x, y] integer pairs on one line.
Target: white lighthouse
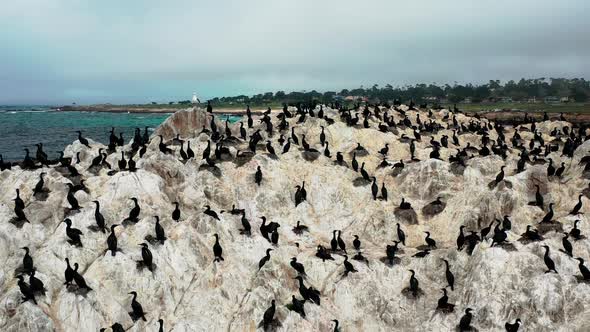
{"points": [[195, 100]]}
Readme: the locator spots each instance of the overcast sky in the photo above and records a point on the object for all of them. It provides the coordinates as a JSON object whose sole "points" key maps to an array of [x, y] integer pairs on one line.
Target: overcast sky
{"points": [[85, 51]]}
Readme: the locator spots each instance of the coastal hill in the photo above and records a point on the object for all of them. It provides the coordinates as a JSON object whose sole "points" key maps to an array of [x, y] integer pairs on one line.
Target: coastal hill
{"points": [[190, 291]]}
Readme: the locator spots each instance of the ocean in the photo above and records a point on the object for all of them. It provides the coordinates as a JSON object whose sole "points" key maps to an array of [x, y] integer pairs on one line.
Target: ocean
{"points": [[24, 126]]}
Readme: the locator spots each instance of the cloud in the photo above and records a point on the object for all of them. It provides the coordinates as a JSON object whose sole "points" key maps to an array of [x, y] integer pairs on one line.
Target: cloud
{"points": [[134, 51]]}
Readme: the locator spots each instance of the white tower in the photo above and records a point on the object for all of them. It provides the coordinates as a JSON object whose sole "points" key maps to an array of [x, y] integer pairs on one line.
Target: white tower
{"points": [[195, 99]]}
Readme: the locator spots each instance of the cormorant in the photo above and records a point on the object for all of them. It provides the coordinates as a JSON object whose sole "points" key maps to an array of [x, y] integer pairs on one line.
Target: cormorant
{"points": [[258, 176], [460, 238], [134, 213], [548, 261], [112, 240], [246, 229], [210, 212], [146, 255], [449, 275], [341, 243], [531, 234], [294, 137], [268, 316], [297, 266], [308, 293], [583, 269], [550, 168], [98, 217], [547, 218], [506, 224], [575, 232], [189, 152], [374, 189], [122, 162], [348, 267], [176, 212], [39, 186], [297, 306], [334, 242], [73, 233], [71, 198], [513, 327], [384, 150], [69, 273], [117, 327], [500, 175], [27, 261], [137, 312], [465, 322], [264, 259], [355, 163], [79, 280], [25, 290], [327, 151], [401, 236], [298, 229], [217, 250], [81, 139], [578, 206], [274, 237], [207, 151], [405, 205], [443, 302], [413, 283], [383, 192], [567, 245], [559, 171], [160, 234], [364, 173], [287, 146], [323, 254], [269, 148], [356, 243], [336, 323], [161, 322], [36, 285], [431, 243]]}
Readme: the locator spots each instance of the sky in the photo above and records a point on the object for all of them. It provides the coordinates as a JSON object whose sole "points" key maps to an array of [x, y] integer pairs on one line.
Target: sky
{"points": [[135, 51]]}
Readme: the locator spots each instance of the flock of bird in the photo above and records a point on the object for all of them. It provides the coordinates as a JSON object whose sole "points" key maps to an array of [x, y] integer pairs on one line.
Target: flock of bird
{"points": [[428, 122]]}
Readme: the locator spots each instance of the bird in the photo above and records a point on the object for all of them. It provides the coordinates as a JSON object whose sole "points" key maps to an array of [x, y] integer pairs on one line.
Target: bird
{"points": [[413, 283], [69, 273], [431, 243], [577, 207], [299, 228], [356, 243], [82, 140], [217, 250], [39, 186], [297, 266], [465, 322], [567, 245], [374, 189], [210, 212], [160, 234], [147, 257], [348, 267], [73, 233], [500, 175], [25, 290], [583, 269], [401, 236], [71, 198], [264, 259], [341, 243], [137, 309], [297, 306], [134, 213], [112, 240], [258, 176], [176, 212], [449, 275], [79, 279], [405, 205], [513, 327], [98, 217], [268, 316], [548, 261]]}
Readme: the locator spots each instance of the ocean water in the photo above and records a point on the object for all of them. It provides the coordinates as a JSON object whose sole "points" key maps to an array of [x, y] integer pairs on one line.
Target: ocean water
{"points": [[24, 126]]}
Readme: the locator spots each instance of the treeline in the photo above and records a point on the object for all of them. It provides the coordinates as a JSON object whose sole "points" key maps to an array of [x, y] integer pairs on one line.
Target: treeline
{"points": [[576, 90]]}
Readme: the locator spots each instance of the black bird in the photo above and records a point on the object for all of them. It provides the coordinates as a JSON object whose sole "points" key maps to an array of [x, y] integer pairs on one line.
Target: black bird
{"points": [[364, 173], [575, 232], [163, 147], [550, 168], [429, 241], [443, 302], [578, 206], [567, 245], [161, 322], [246, 228], [189, 152], [341, 243], [69, 273], [112, 241], [298, 229], [79, 280], [449, 275], [217, 250], [258, 176], [348, 267], [583, 269], [176, 212], [147, 257], [401, 236], [465, 322], [384, 150], [506, 224], [287, 146], [210, 212], [25, 290], [538, 197], [531, 234], [137, 312], [560, 170], [308, 293], [405, 205], [39, 186], [160, 234], [134, 213], [27, 261], [461, 238], [73, 233], [274, 237], [98, 217], [82, 140], [374, 189], [356, 243], [294, 137], [297, 266], [71, 198], [269, 148], [383, 192], [413, 283], [268, 316], [297, 306], [36, 285], [264, 259], [500, 175], [334, 242], [122, 162], [18, 202], [547, 218], [117, 327], [513, 327], [336, 323], [355, 163], [207, 151], [322, 136], [548, 261]]}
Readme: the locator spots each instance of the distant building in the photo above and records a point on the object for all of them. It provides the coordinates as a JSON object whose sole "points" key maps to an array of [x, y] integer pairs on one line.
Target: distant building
{"points": [[564, 99], [551, 99], [505, 99]]}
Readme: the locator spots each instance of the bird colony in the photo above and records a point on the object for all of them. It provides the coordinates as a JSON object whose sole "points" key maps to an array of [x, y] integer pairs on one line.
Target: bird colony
{"points": [[313, 218]]}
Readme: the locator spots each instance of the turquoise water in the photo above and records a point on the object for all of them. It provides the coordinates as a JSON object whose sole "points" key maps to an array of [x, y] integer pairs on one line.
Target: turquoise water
{"points": [[24, 126]]}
